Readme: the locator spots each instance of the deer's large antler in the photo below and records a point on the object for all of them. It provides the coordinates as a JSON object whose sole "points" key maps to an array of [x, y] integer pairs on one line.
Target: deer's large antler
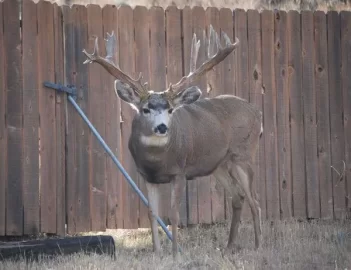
{"points": [[111, 67], [216, 54]]}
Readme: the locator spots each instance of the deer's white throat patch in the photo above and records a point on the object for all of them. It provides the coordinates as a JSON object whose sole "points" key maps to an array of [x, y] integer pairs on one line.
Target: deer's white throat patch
{"points": [[154, 140]]}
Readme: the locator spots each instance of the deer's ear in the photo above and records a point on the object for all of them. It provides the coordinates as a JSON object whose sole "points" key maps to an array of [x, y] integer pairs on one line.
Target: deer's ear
{"points": [[187, 96], [127, 94]]}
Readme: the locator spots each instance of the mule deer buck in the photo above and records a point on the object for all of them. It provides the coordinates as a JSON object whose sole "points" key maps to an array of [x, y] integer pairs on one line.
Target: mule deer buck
{"points": [[177, 137]]}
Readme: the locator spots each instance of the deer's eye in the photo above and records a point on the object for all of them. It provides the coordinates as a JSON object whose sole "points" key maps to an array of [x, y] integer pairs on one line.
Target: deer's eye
{"points": [[146, 111], [170, 111]]}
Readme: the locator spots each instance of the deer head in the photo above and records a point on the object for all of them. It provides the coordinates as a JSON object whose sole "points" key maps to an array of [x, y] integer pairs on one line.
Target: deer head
{"points": [[155, 108]]}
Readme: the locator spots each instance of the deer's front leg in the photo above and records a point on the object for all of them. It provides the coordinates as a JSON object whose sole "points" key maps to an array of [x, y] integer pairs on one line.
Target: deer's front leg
{"points": [[177, 188], [153, 197]]}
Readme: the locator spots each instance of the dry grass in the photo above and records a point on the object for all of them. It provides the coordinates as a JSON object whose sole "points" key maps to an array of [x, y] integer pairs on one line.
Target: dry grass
{"points": [[287, 245]]}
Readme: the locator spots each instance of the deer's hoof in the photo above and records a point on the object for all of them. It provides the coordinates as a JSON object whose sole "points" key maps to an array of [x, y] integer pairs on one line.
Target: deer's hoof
{"points": [[231, 250]]}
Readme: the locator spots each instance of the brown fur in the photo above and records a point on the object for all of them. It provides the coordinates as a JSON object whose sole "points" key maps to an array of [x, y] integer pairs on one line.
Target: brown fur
{"points": [[216, 136]]}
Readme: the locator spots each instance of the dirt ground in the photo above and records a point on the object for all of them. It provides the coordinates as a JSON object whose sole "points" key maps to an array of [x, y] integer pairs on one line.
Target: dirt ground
{"points": [[286, 245]]}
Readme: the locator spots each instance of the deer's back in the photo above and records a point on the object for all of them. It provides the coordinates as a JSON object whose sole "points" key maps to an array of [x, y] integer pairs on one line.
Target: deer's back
{"points": [[215, 128]]}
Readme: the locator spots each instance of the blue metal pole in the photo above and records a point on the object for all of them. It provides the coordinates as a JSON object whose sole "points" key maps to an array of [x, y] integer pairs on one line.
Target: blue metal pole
{"points": [[119, 165]]}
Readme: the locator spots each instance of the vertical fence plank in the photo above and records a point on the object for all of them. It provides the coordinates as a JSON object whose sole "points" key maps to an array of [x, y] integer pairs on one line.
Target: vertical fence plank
{"points": [[296, 115], [175, 72], [226, 23], [336, 113], [214, 79], [242, 76], [241, 80], [71, 156], [255, 85], [112, 134], [96, 112], [3, 131], [126, 56], [78, 191], [70, 78], [14, 118], [158, 83], [309, 101], [203, 183], [322, 101], [142, 59], [47, 129], [61, 102], [270, 112], [30, 119], [283, 124], [82, 195], [187, 33], [346, 85]]}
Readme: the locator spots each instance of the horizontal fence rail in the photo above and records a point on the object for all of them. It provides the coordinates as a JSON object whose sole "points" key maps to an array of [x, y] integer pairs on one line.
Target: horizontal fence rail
{"points": [[293, 66]]}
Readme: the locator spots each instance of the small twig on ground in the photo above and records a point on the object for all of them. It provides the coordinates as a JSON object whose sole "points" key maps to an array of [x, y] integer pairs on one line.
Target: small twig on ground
{"points": [[341, 175]]}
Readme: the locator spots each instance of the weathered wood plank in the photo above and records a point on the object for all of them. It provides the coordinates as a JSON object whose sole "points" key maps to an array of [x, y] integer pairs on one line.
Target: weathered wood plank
{"points": [[3, 130], [142, 60], [203, 183], [336, 113], [241, 56], [31, 205], [255, 85], [82, 195], [97, 98], [47, 129], [214, 79], [296, 115], [242, 78], [78, 192], [323, 124], [283, 123], [61, 103], [346, 85], [270, 115], [113, 133], [187, 33], [309, 101], [70, 78], [14, 118], [126, 62], [158, 83], [226, 23], [175, 72]]}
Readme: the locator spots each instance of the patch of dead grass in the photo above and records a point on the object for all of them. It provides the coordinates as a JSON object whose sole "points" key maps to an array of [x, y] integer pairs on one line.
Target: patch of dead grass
{"points": [[286, 245]]}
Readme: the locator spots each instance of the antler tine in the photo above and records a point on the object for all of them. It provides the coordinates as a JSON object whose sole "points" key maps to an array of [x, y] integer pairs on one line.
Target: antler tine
{"points": [[110, 44], [91, 57], [212, 48], [195, 46], [216, 54], [111, 67]]}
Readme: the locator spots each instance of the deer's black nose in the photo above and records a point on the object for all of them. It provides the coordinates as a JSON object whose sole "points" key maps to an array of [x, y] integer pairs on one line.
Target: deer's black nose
{"points": [[162, 128]]}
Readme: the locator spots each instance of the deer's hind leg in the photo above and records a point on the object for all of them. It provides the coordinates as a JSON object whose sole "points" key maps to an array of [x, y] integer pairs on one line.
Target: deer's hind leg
{"points": [[230, 184], [243, 172]]}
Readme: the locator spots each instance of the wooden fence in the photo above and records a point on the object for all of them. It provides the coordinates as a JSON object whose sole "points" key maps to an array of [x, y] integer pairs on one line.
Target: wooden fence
{"points": [[295, 67]]}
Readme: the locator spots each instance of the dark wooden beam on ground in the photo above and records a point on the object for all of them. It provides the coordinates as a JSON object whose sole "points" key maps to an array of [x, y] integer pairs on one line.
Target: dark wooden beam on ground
{"points": [[33, 249]]}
